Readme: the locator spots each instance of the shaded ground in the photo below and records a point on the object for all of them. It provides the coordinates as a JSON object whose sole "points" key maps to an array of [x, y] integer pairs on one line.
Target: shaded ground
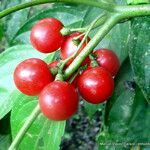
{"points": [[81, 132]]}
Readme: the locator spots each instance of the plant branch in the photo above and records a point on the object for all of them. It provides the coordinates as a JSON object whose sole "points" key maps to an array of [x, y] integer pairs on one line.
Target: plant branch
{"points": [[100, 4], [87, 32], [24, 128], [133, 11], [107, 26], [99, 22], [122, 12], [83, 40], [130, 11]]}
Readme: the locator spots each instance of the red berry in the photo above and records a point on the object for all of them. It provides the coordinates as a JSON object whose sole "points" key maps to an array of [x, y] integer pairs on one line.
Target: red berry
{"points": [[69, 47], [53, 64], [45, 35], [31, 76], [58, 100], [108, 60], [75, 81], [95, 85]]}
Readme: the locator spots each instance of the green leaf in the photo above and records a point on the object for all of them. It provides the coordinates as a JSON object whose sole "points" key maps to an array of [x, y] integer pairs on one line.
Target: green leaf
{"points": [[1, 30], [6, 4], [125, 110], [2, 38], [138, 1], [120, 2], [139, 52], [14, 21], [5, 125], [91, 109], [5, 141], [42, 134], [66, 14], [8, 61], [116, 40], [70, 15]]}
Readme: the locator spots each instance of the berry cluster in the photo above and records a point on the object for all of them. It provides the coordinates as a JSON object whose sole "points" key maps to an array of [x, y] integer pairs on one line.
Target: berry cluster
{"points": [[59, 99]]}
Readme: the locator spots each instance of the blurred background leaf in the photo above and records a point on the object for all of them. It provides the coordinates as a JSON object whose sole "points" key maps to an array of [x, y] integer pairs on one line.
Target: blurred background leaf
{"points": [[139, 52], [43, 133], [5, 141], [8, 61], [126, 114]]}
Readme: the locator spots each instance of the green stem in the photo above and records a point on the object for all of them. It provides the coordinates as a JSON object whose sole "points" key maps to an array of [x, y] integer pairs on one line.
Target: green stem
{"points": [[94, 62], [87, 32], [100, 4], [59, 77], [24, 128], [133, 11], [107, 26], [81, 43], [78, 37], [99, 22], [130, 11], [121, 12], [78, 29], [124, 12]]}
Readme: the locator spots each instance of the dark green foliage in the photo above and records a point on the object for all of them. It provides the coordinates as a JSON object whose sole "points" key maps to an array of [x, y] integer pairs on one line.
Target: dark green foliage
{"points": [[125, 117], [139, 52]]}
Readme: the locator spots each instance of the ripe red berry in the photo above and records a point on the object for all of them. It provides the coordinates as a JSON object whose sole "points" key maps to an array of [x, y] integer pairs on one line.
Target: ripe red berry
{"points": [[53, 64], [31, 76], [69, 47], [58, 100], [96, 85], [75, 80], [108, 60], [45, 35]]}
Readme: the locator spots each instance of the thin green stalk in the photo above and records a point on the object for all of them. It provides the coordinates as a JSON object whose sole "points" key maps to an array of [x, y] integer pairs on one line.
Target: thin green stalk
{"points": [[81, 43], [99, 22], [94, 62], [121, 12], [79, 36], [24, 128], [107, 26], [124, 12], [88, 31], [78, 29], [100, 4]]}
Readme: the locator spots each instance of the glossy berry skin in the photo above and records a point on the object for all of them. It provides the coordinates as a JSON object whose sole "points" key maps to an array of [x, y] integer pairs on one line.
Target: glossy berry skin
{"points": [[69, 47], [53, 64], [58, 100], [75, 81], [45, 35], [95, 85], [108, 60], [31, 76]]}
